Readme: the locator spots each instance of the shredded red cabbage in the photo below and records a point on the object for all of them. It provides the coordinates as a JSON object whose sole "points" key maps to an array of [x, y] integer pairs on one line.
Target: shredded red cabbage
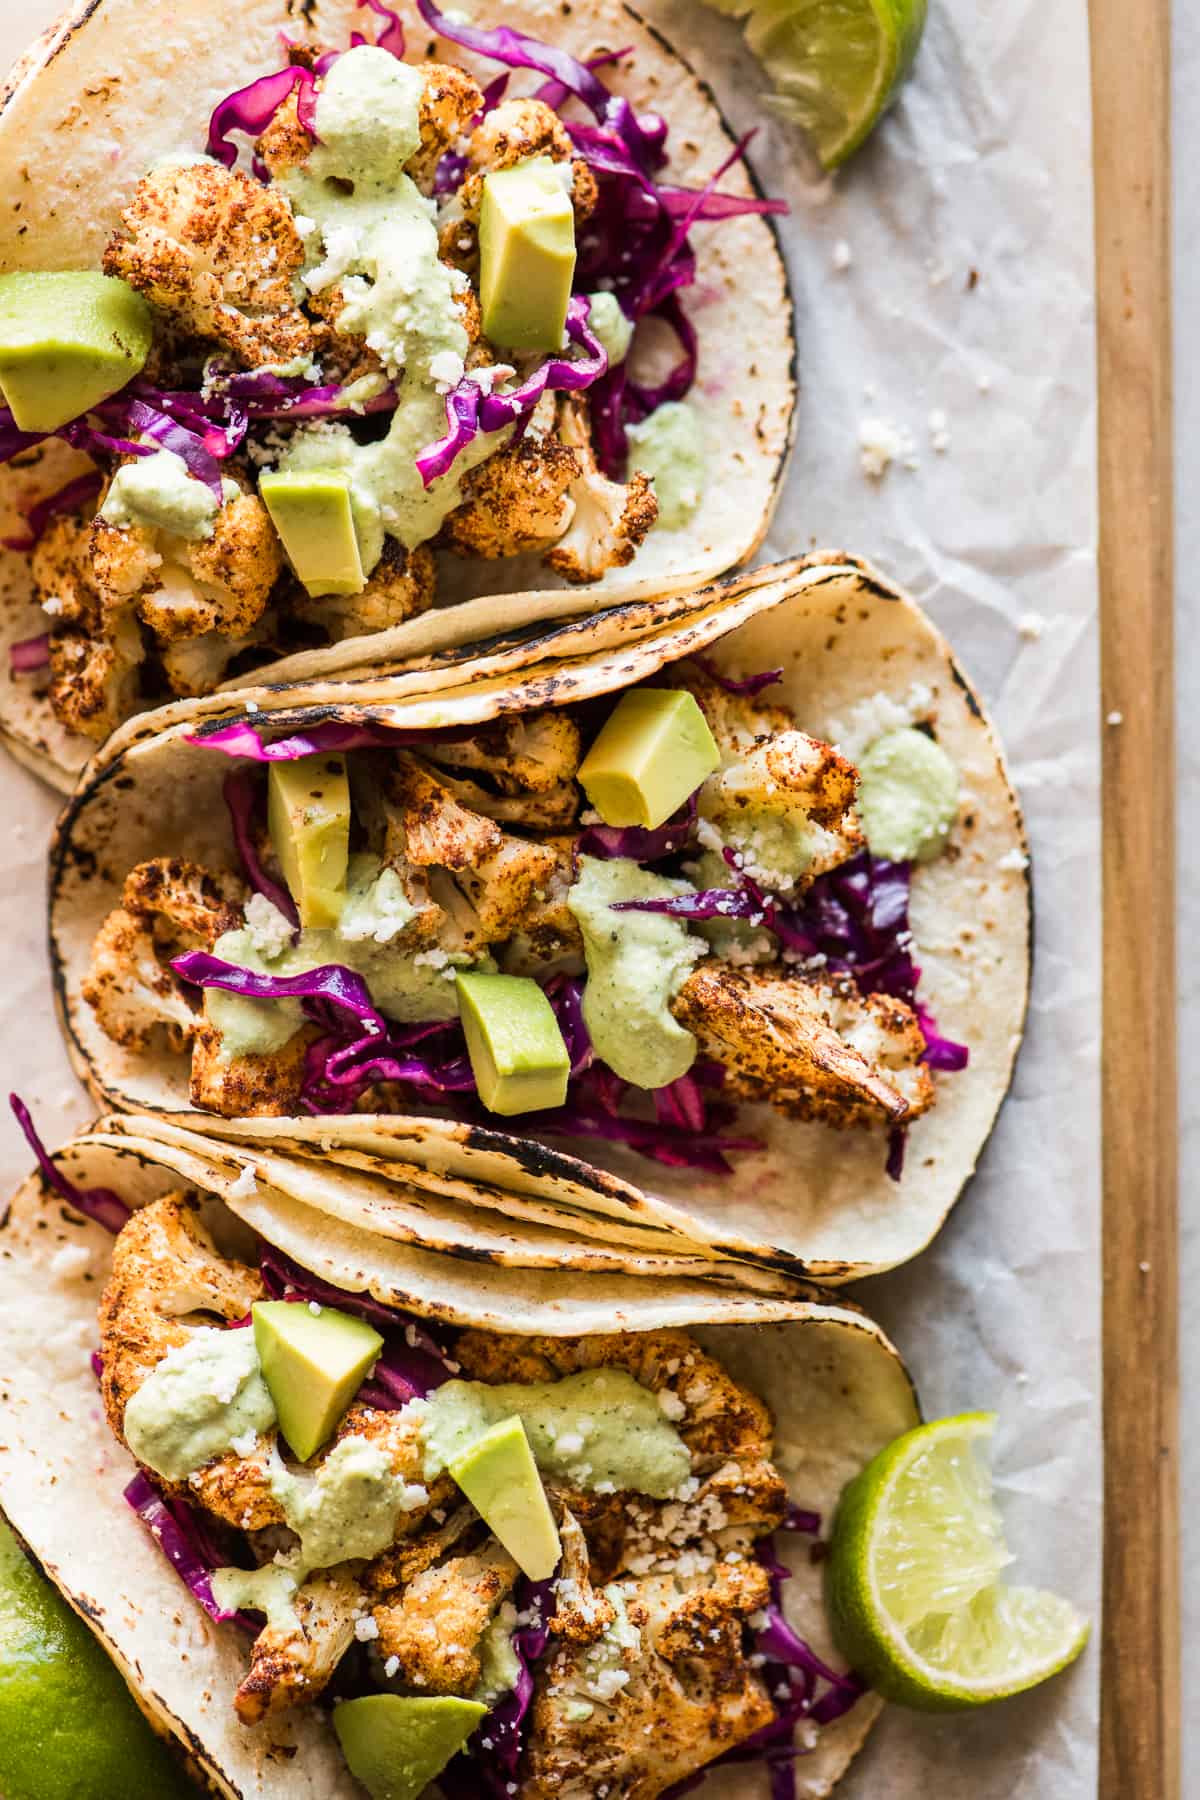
{"points": [[494, 1773], [332, 983], [99, 1204], [30, 654], [639, 844], [749, 684], [746, 903], [391, 37], [469, 410], [78, 433], [251, 109], [555, 94], [243, 739], [70, 498], [241, 798], [181, 1537], [686, 1134]]}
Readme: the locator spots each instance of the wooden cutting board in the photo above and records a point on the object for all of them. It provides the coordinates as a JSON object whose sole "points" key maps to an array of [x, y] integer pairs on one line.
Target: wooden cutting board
{"points": [[1140, 1700]]}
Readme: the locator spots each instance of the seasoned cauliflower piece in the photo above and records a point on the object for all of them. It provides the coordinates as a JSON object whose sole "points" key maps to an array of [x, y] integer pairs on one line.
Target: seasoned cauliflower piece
{"points": [[262, 1086], [165, 1271], [436, 1623], [199, 665], [547, 936], [793, 1042], [499, 887], [522, 752], [64, 580], [547, 811], [218, 252], [94, 681], [401, 586], [610, 520], [513, 131], [168, 905], [219, 583], [437, 831], [292, 1664], [519, 499], [450, 101]]}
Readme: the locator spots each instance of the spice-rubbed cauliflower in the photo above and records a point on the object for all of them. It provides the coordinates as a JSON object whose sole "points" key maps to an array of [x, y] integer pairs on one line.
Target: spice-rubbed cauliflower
{"points": [[450, 99], [811, 1048], [401, 586], [610, 519], [435, 1624], [291, 1664], [514, 131], [94, 681], [522, 752], [168, 905], [263, 1085], [519, 499], [219, 253]]}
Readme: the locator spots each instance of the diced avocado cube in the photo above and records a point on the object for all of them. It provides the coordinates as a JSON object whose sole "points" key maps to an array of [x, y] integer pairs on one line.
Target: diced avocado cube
{"points": [[311, 511], [68, 339], [520, 1059], [526, 255], [654, 750], [313, 1364], [396, 1744], [500, 1479], [308, 816]]}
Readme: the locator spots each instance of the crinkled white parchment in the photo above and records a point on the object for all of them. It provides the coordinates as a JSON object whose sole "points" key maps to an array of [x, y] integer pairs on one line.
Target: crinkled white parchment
{"points": [[944, 289]]}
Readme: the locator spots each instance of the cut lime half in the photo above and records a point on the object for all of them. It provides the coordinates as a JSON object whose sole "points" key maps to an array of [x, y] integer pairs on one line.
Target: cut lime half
{"points": [[836, 64], [918, 1606]]}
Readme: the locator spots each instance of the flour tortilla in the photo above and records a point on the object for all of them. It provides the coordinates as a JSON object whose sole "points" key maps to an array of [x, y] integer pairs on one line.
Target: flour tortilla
{"points": [[836, 1386], [812, 1200], [118, 84]]}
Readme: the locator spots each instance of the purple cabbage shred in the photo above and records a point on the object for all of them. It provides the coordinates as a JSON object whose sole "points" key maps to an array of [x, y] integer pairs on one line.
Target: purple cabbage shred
{"points": [[243, 739], [638, 843], [183, 1539], [70, 498], [748, 684], [469, 1779], [98, 1204]]}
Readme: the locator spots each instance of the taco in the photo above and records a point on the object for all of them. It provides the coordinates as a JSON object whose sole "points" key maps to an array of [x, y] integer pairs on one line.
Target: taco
{"points": [[781, 1008], [386, 335], [277, 1556]]}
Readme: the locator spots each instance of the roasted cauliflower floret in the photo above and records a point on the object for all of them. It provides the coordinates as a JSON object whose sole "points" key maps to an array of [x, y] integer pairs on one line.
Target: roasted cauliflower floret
{"points": [[217, 252], [193, 586], [168, 905], [436, 1623], [292, 1664], [64, 580], [547, 936], [264, 1086], [94, 681], [401, 586], [793, 1042], [519, 499], [522, 752], [513, 131], [610, 520], [165, 1271], [449, 102], [437, 831]]}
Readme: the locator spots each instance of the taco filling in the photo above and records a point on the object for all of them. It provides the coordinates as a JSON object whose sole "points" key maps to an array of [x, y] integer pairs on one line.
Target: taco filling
{"points": [[519, 1565], [412, 320], [617, 920]]}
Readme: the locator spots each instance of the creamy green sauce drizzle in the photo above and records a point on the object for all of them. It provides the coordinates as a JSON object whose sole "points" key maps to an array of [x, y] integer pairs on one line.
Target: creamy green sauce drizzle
{"points": [[599, 1429], [158, 492], [270, 1590], [908, 796], [372, 230], [636, 963], [669, 446], [349, 1507], [201, 1397]]}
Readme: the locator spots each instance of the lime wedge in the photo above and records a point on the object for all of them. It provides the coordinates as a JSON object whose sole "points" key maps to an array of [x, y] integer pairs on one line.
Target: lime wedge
{"points": [[918, 1606], [836, 64]]}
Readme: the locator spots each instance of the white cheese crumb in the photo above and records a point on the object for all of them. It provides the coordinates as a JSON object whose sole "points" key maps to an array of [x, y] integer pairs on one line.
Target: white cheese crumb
{"points": [[670, 1405], [842, 256], [365, 1630], [391, 1666], [1013, 860], [314, 1307], [244, 1445], [939, 432], [266, 927], [881, 443], [252, 706], [446, 370], [1115, 718], [53, 606], [246, 1185], [1031, 625]]}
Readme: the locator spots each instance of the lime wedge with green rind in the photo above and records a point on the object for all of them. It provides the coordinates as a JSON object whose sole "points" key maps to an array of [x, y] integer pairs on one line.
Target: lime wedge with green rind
{"points": [[917, 1603], [69, 1729], [836, 64]]}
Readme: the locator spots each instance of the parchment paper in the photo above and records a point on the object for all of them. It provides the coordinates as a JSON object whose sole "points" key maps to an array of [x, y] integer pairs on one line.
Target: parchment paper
{"points": [[945, 294]]}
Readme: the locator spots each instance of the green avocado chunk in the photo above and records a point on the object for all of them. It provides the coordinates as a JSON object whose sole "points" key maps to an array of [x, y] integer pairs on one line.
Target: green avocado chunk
{"points": [[526, 255], [654, 750], [500, 1479], [517, 1051], [313, 1364], [907, 797], [69, 1729], [312, 512], [308, 816], [397, 1744], [67, 341]]}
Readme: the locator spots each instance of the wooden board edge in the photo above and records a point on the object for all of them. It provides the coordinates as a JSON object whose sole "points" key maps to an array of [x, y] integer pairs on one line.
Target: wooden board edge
{"points": [[1140, 1674]]}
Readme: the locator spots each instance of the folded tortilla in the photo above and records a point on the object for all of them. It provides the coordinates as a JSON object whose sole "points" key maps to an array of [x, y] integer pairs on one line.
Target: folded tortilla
{"points": [[118, 85], [812, 1200], [835, 1385]]}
